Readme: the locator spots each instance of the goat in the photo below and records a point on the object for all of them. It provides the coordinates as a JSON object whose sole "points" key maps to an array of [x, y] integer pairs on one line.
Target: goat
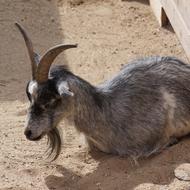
{"points": [[139, 112]]}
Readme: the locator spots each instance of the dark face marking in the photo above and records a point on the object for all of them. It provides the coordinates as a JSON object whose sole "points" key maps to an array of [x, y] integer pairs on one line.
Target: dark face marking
{"points": [[27, 93]]}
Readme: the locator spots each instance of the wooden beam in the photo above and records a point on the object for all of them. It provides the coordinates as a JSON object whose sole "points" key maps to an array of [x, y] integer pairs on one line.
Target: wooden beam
{"points": [[179, 21], [159, 12], [183, 7]]}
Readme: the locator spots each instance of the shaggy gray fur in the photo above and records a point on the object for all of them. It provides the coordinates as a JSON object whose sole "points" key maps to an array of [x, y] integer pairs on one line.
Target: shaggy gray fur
{"points": [[140, 111]]}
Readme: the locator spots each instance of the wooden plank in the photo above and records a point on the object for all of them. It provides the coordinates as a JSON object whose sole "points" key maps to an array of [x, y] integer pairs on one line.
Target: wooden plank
{"points": [[159, 12], [184, 8], [178, 22]]}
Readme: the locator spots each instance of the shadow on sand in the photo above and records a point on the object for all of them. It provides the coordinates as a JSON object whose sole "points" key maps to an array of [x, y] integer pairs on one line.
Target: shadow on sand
{"points": [[146, 2], [121, 173], [112, 173]]}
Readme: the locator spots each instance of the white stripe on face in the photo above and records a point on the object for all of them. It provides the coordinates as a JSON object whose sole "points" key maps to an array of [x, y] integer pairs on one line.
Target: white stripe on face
{"points": [[32, 88]]}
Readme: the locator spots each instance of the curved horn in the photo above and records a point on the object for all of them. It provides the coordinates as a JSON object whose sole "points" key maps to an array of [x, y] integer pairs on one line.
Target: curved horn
{"points": [[29, 46], [47, 59]]}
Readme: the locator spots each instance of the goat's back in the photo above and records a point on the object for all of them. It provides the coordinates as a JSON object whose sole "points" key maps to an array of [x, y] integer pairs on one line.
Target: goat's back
{"points": [[147, 105]]}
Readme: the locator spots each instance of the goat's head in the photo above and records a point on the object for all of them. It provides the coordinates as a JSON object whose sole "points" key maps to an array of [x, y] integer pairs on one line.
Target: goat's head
{"points": [[48, 96]]}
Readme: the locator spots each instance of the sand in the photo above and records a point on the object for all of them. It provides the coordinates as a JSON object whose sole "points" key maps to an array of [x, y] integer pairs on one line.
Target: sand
{"points": [[109, 33]]}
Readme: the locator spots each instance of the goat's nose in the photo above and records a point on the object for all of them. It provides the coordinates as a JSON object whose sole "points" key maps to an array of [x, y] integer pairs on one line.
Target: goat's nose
{"points": [[28, 133]]}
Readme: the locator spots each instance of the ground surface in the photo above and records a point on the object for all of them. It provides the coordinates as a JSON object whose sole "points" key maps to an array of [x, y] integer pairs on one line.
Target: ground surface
{"points": [[109, 34]]}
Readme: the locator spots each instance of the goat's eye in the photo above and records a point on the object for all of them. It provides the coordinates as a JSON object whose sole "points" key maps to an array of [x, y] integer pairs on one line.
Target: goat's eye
{"points": [[54, 102], [50, 104], [43, 107]]}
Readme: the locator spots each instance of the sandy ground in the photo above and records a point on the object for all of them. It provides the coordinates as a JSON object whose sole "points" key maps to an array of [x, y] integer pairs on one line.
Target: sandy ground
{"points": [[109, 34]]}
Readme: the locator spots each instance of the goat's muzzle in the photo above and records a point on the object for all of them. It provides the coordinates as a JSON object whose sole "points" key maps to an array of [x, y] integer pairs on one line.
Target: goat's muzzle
{"points": [[29, 136]]}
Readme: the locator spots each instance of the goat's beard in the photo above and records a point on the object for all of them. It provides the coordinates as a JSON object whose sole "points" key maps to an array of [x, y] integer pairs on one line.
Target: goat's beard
{"points": [[54, 142]]}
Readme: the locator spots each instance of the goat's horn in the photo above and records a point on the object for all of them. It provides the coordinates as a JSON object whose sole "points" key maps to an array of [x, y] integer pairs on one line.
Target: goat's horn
{"points": [[29, 46], [47, 59]]}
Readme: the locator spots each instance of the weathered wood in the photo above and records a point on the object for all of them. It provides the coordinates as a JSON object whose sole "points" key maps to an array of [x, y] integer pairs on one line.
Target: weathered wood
{"points": [[178, 22], [159, 12], [178, 13], [184, 8]]}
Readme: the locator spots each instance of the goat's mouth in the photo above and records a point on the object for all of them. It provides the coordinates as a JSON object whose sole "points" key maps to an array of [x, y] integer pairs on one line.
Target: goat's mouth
{"points": [[29, 137], [37, 138]]}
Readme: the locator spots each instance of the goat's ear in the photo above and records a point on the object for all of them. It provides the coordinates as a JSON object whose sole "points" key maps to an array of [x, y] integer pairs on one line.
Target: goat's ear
{"points": [[63, 89]]}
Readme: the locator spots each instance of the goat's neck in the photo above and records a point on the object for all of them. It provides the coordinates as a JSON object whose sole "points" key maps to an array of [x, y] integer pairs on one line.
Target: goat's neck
{"points": [[87, 105]]}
